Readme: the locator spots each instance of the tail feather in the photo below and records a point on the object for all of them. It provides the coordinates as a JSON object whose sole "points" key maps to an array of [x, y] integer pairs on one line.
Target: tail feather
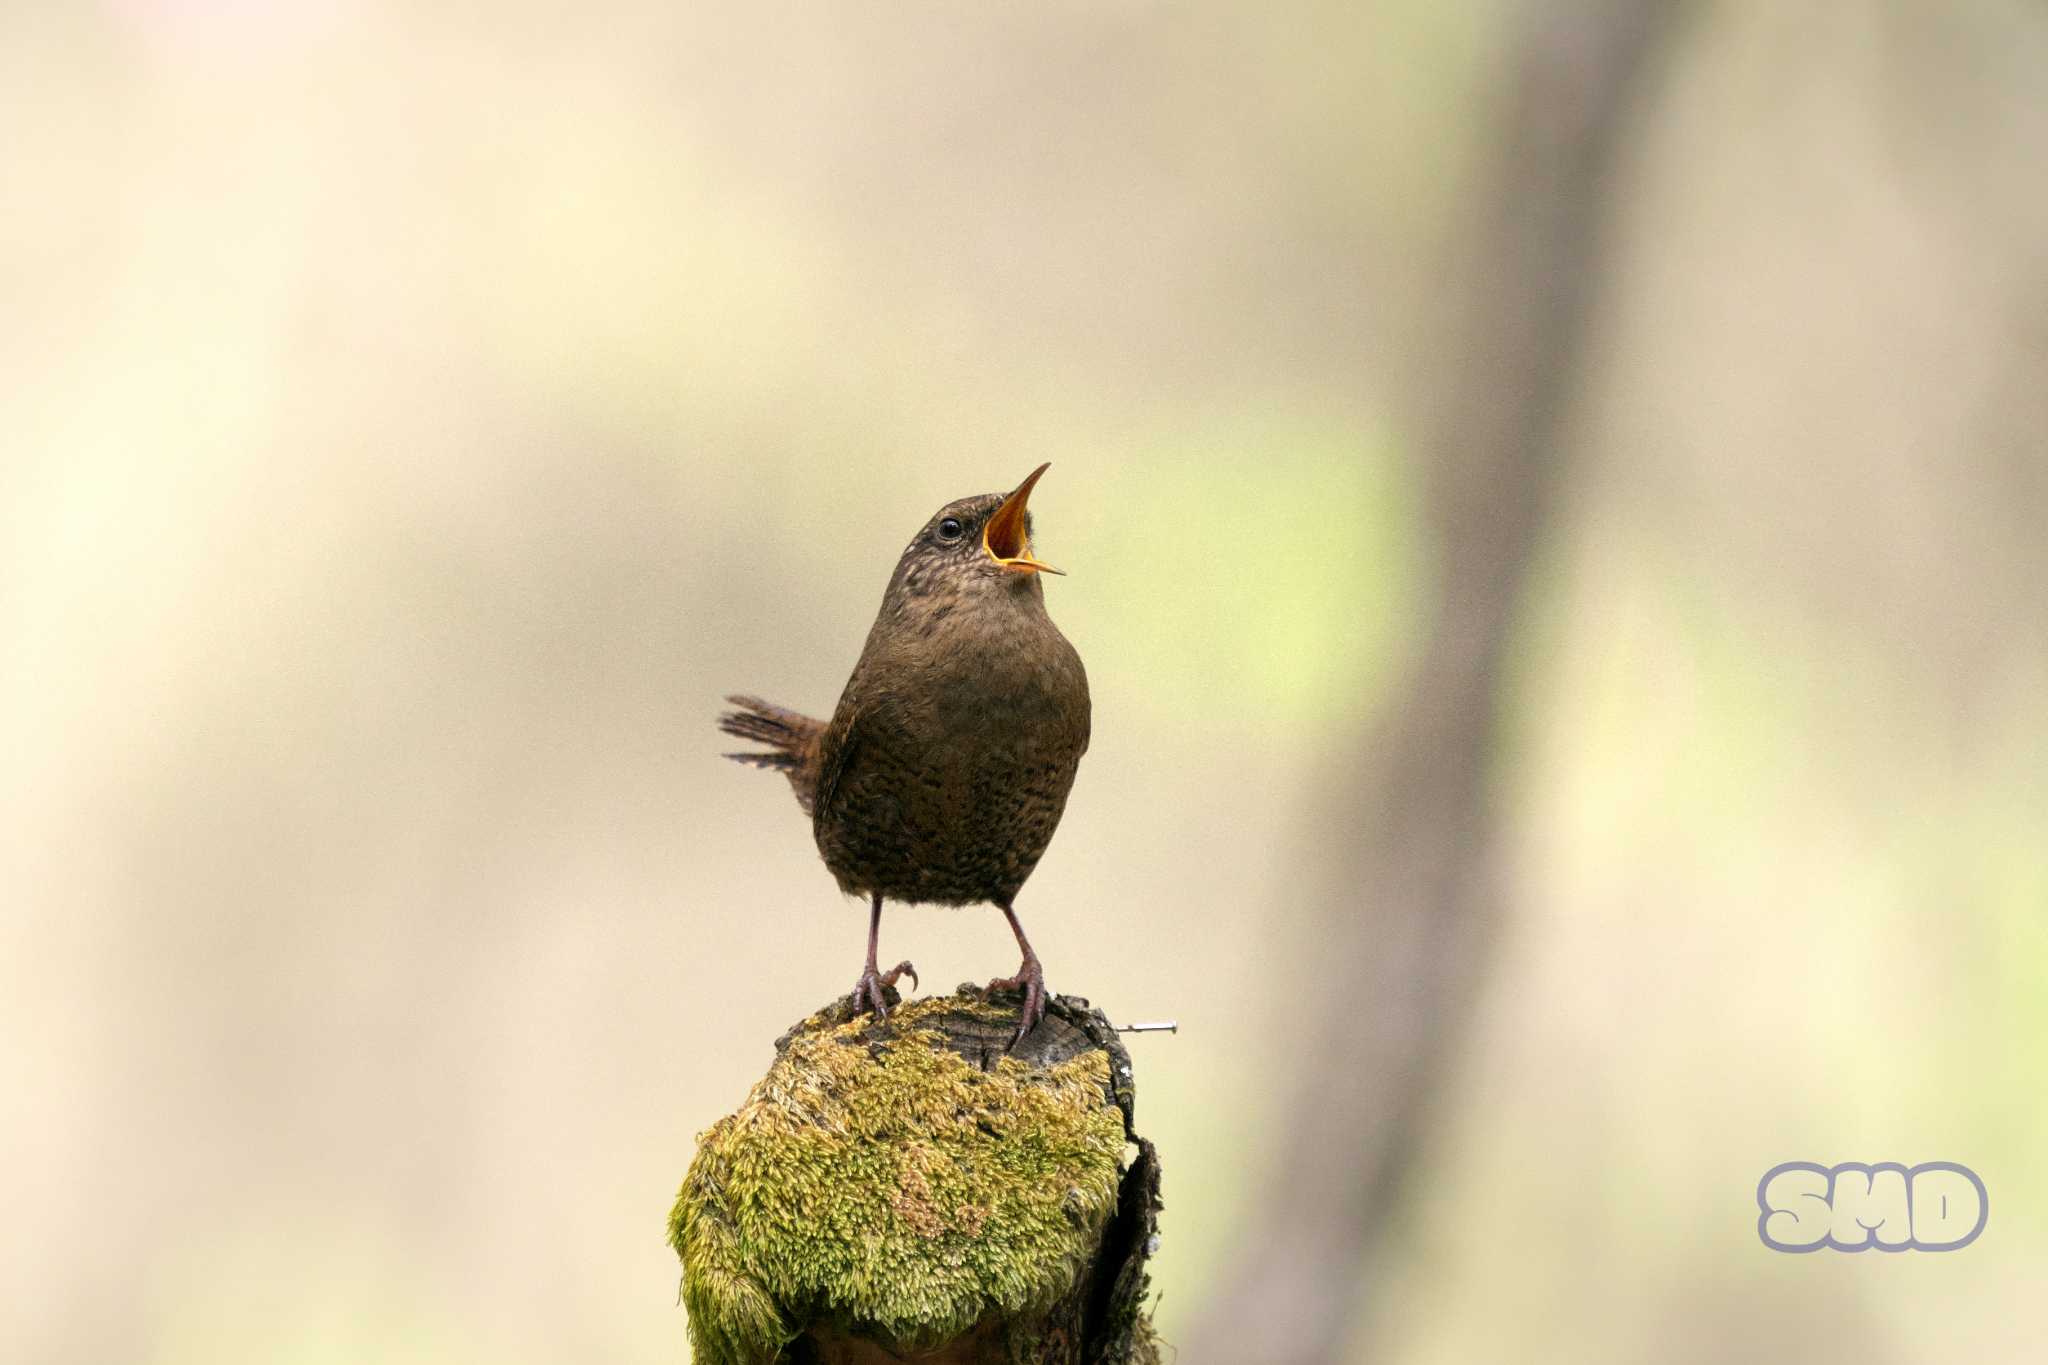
{"points": [[792, 740]]}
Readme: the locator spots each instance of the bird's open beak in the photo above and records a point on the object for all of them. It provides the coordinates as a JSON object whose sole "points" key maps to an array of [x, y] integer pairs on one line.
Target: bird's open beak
{"points": [[1005, 538]]}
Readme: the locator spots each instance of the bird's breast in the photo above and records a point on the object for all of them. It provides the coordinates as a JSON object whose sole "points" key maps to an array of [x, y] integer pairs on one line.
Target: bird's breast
{"points": [[960, 754]]}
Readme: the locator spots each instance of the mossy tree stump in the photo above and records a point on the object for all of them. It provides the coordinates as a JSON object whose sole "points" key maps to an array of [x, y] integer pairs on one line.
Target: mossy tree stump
{"points": [[910, 1190]]}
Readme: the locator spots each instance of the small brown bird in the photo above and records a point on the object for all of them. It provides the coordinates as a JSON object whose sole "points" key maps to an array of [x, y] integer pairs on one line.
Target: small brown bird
{"points": [[943, 772]]}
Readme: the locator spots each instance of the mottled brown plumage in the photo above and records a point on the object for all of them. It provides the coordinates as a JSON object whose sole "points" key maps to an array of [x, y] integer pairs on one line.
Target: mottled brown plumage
{"points": [[943, 772]]}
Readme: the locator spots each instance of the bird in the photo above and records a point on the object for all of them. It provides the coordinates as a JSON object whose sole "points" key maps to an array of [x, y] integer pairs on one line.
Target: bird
{"points": [[946, 765]]}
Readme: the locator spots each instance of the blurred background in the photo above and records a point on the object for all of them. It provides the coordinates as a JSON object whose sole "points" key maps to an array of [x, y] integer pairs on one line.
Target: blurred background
{"points": [[1606, 472]]}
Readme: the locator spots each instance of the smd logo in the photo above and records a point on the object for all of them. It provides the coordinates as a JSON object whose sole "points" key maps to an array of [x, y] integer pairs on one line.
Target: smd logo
{"points": [[1935, 1206]]}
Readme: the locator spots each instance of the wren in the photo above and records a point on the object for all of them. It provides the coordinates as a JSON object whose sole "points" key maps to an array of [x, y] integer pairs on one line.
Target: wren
{"points": [[946, 765]]}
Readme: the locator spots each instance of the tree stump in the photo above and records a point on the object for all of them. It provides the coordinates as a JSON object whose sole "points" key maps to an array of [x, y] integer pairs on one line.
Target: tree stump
{"points": [[910, 1190]]}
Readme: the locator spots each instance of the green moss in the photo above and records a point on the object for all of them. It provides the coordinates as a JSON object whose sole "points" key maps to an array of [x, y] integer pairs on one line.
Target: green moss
{"points": [[883, 1186]]}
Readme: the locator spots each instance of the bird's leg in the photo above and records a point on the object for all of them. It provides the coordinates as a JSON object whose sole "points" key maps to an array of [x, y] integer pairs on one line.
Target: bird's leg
{"points": [[867, 992], [1030, 978]]}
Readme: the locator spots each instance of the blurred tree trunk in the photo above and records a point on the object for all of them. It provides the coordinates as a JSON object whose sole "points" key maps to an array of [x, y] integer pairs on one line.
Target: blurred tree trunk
{"points": [[1407, 931]]}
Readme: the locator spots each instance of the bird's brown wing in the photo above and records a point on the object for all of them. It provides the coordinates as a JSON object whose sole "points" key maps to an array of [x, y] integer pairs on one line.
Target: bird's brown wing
{"points": [[836, 749]]}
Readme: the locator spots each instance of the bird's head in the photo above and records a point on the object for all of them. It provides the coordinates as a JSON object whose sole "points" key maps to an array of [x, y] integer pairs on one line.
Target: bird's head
{"points": [[978, 544]]}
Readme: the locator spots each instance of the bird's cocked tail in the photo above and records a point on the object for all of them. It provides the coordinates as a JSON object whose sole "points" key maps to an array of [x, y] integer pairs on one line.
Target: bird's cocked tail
{"points": [[792, 740]]}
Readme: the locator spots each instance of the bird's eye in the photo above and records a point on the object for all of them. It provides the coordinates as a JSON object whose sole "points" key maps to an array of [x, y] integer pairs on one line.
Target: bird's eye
{"points": [[950, 529]]}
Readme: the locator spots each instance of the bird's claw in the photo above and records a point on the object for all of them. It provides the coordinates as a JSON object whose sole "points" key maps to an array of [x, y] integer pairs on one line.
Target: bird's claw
{"points": [[867, 992], [1030, 978]]}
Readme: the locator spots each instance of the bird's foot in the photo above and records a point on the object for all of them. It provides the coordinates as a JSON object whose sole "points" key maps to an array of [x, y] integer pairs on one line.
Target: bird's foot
{"points": [[867, 992], [1030, 979]]}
